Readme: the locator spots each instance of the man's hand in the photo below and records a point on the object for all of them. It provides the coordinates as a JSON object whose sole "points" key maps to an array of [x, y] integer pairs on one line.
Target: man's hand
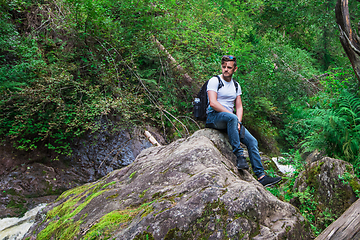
{"points": [[239, 126]]}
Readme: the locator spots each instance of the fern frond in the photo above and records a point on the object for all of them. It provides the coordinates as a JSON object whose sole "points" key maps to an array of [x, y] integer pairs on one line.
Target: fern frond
{"points": [[349, 106], [318, 112], [346, 110], [357, 130], [357, 121], [337, 131], [313, 142], [349, 100]]}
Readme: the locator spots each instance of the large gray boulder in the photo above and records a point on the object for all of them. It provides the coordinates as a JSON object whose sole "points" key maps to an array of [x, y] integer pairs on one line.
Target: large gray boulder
{"points": [[189, 189]]}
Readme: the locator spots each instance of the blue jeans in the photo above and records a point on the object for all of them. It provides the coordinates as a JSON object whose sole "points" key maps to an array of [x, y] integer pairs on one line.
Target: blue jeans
{"points": [[228, 121]]}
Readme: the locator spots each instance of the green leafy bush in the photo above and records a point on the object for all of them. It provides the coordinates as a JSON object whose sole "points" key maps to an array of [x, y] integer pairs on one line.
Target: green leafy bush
{"points": [[336, 128], [20, 60], [65, 66]]}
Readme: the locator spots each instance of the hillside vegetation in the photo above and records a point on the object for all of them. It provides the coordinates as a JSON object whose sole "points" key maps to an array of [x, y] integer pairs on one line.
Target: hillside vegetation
{"points": [[67, 66]]}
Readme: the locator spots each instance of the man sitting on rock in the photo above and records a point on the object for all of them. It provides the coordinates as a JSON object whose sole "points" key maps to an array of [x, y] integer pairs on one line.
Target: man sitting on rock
{"points": [[222, 95]]}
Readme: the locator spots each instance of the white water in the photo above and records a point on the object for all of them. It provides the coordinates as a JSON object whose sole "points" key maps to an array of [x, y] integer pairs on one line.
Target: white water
{"points": [[15, 228], [286, 169]]}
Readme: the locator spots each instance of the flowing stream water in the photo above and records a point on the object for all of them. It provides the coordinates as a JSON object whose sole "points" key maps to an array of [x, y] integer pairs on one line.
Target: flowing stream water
{"points": [[286, 169], [15, 228]]}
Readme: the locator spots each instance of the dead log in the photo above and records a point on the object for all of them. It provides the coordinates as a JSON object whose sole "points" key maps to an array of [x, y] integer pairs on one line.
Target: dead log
{"points": [[186, 79], [348, 37], [347, 226]]}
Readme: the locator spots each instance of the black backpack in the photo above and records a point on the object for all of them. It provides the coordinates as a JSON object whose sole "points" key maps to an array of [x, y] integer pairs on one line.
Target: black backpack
{"points": [[201, 102]]}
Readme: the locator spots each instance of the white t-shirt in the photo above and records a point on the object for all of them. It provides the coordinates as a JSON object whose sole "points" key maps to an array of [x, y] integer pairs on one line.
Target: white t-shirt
{"points": [[226, 95]]}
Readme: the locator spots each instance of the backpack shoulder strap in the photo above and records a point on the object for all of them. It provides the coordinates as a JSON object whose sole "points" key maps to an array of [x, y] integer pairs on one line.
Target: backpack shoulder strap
{"points": [[220, 82], [236, 85]]}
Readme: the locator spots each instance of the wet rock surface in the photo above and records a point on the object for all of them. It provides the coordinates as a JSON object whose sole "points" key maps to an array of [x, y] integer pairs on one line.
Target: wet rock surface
{"points": [[101, 153], [30, 178], [189, 189]]}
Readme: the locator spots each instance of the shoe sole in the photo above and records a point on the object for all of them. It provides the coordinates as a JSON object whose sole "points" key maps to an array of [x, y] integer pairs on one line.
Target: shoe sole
{"points": [[273, 183], [244, 168]]}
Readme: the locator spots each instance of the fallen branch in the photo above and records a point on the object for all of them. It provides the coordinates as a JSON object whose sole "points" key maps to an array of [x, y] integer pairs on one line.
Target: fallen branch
{"points": [[151, 139], [187, 80]]}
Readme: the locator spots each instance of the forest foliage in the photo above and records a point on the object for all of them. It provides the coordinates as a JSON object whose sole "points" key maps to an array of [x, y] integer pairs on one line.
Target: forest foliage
{"points": [[68, 65]]}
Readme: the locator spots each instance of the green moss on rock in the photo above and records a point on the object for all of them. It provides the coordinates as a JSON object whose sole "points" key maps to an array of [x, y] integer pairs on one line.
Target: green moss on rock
{"points": [[132, 175], [60, 229], [61, 223], [141, 195], [74, 191], [214, 214], [116, 220], [109, 184], [108, 223], [144, 236], [112, 196], [175, 234], [354, 184], [312, 174]]}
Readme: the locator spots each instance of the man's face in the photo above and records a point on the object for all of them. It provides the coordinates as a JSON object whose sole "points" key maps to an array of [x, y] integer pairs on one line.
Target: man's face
{"points": [[228, 69]]}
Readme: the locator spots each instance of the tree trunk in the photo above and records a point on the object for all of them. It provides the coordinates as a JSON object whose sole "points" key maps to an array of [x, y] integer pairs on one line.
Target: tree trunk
{"points": [[348, 38], [186, 79], [347, 226]]}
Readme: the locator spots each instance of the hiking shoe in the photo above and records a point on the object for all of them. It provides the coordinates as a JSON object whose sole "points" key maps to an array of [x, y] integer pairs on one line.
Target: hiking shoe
{"points": [[269, 181], [241, 163]]}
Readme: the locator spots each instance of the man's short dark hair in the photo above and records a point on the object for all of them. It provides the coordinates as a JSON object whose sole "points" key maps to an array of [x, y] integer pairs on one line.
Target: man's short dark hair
{"points": [[228, 58]]}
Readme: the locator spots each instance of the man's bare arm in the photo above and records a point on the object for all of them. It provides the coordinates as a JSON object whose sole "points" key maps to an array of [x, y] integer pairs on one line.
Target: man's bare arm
{"points": [[239, 109]]}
